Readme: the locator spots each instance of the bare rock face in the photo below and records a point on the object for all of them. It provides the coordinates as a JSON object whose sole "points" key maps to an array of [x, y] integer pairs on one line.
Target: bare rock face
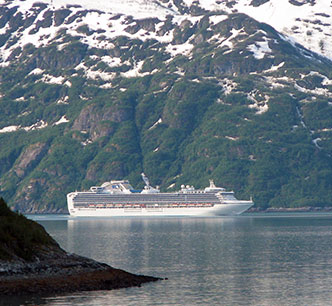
{"points": [[300, 3], [31, 155], [27, 194], [94, 119], [60, 16], [147, 24], [256, 3]]}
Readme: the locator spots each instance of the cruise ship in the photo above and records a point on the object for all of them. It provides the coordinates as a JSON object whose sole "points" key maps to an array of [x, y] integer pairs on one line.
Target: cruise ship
{"points": [[119, 198]]}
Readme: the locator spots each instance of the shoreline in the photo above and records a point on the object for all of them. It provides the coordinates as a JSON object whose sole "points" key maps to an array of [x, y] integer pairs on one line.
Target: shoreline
{"points": [[45, 285], [63, 273], [308, 209]]}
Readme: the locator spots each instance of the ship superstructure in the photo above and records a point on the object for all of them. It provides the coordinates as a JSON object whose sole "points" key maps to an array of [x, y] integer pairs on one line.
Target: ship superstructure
{"points": [[119, 198]]}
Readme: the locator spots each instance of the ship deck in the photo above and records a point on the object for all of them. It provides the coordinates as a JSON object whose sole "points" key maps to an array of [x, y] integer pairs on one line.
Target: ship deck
{"points": [[86, 198]]}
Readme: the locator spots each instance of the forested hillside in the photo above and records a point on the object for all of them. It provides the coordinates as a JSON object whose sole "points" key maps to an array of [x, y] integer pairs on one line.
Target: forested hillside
{"points": [[88, 96]]}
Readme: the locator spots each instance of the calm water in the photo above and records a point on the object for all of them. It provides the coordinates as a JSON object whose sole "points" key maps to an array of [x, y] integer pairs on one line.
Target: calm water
{"points": [[247, 260]]}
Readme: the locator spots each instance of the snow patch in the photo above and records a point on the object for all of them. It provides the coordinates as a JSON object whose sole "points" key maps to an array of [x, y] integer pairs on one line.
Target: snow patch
{"points": [[171, 186], [315, 142], [278, 82], [228, 86], [67, 83], [13, 128], [111, 61], [155, 124], [8, 129], [135, 72], [326, 81], [325, 130], [36, 71], [317, 91], [49, 79], [215, 19], [106, 86], [260, 49], [38, 125], [232, 138], [96, 74], [63, 119], [261, 106], [86, 142], [274, 68], [63, 100], [183, 49], [226, 42]]}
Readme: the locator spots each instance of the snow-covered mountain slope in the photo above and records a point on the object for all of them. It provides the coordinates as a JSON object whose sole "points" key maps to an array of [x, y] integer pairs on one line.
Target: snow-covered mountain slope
{"points": [[137, 8], [182, 90], [124, 42], [96, 23], [45, 24], [307, 22]]}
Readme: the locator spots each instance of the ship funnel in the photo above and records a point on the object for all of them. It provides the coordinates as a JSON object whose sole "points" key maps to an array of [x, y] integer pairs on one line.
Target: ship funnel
{"points": [[212, 185], [145, 179]]}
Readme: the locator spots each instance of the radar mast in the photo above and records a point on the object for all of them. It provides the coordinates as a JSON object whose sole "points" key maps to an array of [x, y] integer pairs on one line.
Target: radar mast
{"points": [[146, 180]]}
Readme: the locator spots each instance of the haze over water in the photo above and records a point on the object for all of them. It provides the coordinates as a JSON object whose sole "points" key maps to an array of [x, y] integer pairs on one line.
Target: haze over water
{"points": [[247, 260]]}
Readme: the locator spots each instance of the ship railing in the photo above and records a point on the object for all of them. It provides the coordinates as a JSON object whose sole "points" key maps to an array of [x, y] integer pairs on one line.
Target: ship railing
{"points": [[143, 202], [146, 205]]}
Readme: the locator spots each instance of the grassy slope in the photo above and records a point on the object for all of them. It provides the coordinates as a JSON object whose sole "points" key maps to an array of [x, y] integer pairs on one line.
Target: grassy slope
{"points": [[20, 237]]}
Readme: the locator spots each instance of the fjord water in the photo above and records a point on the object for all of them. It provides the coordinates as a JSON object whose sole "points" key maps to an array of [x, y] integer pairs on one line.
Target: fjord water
{"points": [[268, 259]]}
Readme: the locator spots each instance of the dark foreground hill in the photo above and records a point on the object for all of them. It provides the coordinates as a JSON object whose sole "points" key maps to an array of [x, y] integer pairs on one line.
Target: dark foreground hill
{"points": [[31, 262]]}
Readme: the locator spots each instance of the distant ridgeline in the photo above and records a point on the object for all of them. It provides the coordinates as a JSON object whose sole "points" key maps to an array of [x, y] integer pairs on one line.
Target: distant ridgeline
{"points": [[184, 98]]}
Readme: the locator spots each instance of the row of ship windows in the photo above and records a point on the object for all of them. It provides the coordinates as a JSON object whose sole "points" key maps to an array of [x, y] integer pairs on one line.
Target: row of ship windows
{"points": [[139, 206]]}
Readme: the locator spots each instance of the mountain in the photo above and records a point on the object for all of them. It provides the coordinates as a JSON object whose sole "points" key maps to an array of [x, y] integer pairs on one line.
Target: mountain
{"points": [[182, 90]]}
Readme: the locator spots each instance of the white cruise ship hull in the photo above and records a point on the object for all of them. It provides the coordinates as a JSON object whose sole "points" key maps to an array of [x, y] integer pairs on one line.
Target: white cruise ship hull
{"points": [[224, 209]]}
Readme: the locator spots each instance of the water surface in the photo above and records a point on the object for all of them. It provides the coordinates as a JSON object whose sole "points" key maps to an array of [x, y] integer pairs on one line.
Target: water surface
{"points": [[267, 259]]}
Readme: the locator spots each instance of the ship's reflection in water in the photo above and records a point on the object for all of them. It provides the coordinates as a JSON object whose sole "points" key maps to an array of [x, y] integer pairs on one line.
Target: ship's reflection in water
{"points": [[144, 245], [241, 260]]}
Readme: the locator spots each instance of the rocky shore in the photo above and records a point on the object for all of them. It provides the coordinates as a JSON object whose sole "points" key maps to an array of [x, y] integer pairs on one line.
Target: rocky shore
{"points": [[58, 272], [32, 263]]}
